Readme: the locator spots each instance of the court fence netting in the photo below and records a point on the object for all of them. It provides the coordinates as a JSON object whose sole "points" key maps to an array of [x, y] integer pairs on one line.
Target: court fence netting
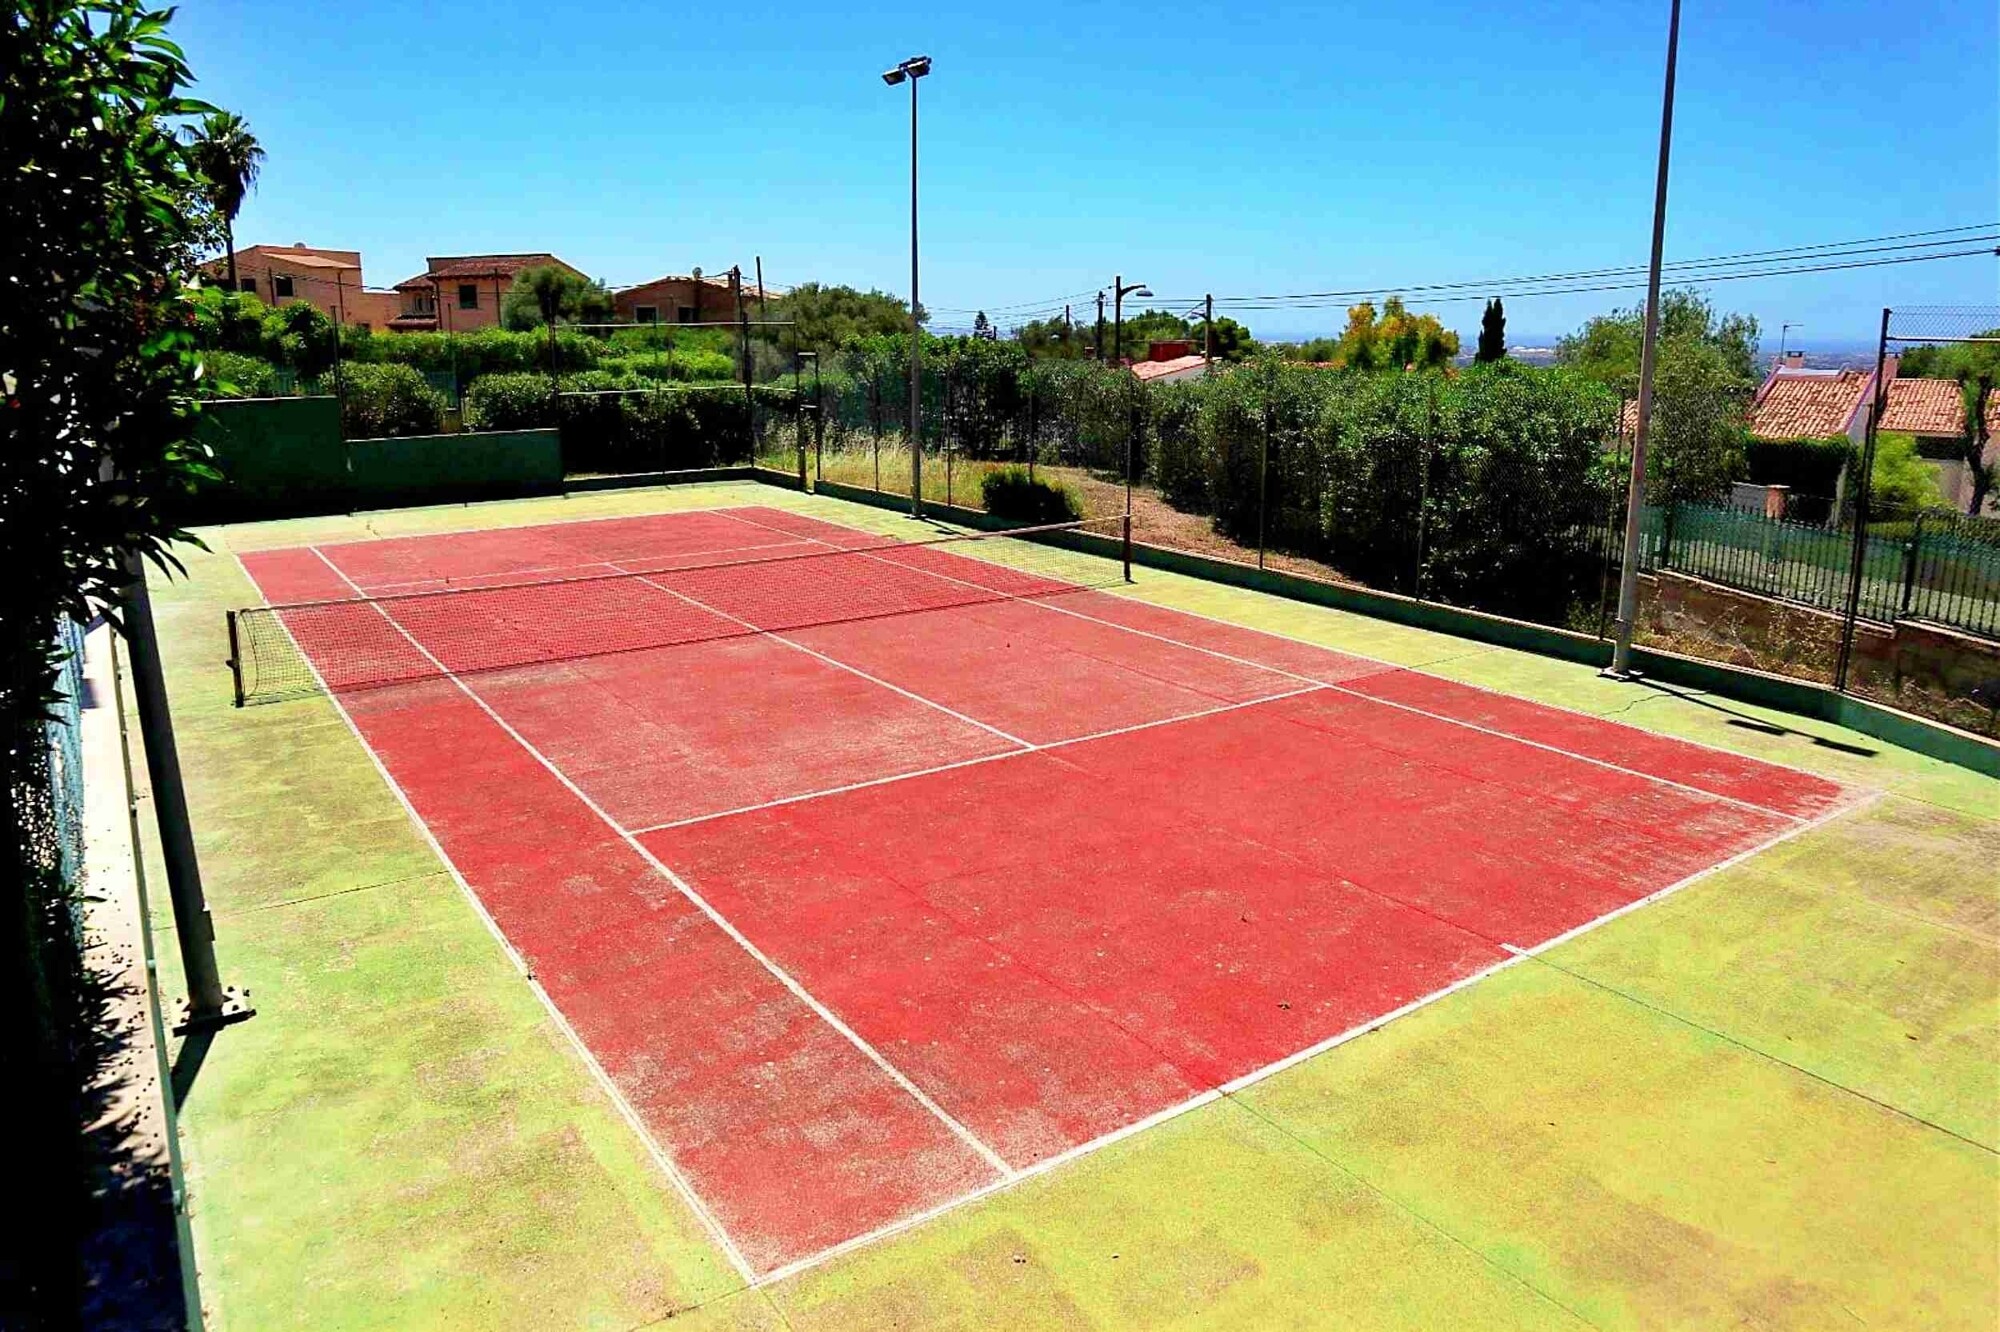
{"points": [[345, 644]]}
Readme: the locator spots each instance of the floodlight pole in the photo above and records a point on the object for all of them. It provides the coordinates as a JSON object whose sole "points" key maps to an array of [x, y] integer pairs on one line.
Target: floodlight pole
{"points": [[209, 1004], [1635, 499], [910, 71]]}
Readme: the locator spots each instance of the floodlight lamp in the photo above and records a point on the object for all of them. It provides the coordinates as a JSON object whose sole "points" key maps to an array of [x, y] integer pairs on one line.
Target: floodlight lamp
{"points": [[892, 77]]}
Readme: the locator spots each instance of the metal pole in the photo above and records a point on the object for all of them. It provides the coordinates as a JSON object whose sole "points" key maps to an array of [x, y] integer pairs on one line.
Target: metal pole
{"points": [[1635, 499], [763, 309], [1263, 485], [819, 427], [339, 322], [209, 1004], [1845, 658], [916, 334], [1117, 318]]}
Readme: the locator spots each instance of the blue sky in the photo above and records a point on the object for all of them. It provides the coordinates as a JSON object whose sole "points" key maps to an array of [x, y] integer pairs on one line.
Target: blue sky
{"points": [[1242, 148]]}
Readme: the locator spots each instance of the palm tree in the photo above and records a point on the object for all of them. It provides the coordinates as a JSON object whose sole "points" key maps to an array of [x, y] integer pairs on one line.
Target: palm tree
{"points": [[228, 156]]}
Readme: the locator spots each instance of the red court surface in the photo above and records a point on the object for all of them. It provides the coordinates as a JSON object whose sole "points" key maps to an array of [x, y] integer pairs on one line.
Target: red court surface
{"points": [[863, 917]]}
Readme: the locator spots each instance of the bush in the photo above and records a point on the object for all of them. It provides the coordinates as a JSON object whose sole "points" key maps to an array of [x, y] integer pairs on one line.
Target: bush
{"points": [[509, 402], [1009, 492], [234, 375], [381, 400]]}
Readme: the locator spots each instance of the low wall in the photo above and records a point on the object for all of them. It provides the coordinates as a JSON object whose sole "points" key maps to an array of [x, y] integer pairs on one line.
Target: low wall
{"points": [[501, 462], [285, 456], [1763, 632]]}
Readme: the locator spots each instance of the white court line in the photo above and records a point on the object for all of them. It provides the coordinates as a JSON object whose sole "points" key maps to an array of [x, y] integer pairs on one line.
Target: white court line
{"points": [[648, 576], [785, 978], [478, 507], [1515, 956], [1012, 1177], [625, 1109], [1355, 693], [974, 762], [457, 582]]}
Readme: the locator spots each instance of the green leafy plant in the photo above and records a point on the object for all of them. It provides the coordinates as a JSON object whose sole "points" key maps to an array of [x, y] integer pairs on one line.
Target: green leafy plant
{"points": [[383, 400], [103, 214], [1009, 492]]}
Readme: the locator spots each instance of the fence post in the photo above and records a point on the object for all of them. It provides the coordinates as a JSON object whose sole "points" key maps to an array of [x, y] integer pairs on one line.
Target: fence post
{"points": [[1668, 507], [1263, 483], [1911, 553], [1862, 484]]}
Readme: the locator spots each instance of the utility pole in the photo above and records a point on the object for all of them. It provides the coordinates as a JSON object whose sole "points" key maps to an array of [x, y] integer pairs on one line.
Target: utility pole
{"points": [[1207, 328], [1635, 499], [763, 311], [1067, 329], [1100, 327]]}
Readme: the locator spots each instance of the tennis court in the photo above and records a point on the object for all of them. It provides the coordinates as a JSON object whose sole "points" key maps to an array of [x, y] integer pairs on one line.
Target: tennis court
{"points": [[874, 876]]}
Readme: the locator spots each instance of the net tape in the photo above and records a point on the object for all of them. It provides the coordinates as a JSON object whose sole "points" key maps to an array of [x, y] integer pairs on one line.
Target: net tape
{"points": [[303, 648]]}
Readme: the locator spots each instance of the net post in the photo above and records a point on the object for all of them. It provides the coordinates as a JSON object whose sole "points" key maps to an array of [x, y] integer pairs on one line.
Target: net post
{"points": [[1126, 542], [235, 660]]}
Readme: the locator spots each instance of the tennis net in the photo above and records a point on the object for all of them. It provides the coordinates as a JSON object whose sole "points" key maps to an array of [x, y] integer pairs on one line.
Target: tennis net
{"points": [[364, 642]]}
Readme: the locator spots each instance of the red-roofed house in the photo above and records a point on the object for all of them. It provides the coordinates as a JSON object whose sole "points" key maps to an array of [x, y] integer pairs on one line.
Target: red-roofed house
{"points": [[693, 299], [1796, 403], [288, 274], [459, 292]]}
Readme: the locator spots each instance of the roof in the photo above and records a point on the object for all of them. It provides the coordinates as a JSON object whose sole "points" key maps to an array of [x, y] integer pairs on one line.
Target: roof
{"points": [[453, 267], [1178, 368], [1798, 404], [294, 256], [750, 290], [1924, 407], [409, 321]]}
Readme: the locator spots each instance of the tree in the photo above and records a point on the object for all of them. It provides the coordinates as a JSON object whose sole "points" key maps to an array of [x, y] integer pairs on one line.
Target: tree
{"points": [[826, 318], [548, 294], [1699, 437], [1396, 340], [104, 212], [1492, 333], [227, 155], [1607, 347], [1976, 434], [1229, 340], [982, 327]]}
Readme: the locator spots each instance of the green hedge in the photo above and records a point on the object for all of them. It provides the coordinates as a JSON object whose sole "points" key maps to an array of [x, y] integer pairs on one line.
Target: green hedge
{"points": [[624, 423], [379, 400]]}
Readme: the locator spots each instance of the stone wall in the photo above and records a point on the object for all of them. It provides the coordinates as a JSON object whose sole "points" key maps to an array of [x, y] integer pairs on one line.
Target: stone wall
{"points": [[1924, 667]]}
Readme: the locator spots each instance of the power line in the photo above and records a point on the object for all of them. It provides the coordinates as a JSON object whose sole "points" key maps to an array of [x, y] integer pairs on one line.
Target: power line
{"points": [[1697, 279], [1744, 257]]}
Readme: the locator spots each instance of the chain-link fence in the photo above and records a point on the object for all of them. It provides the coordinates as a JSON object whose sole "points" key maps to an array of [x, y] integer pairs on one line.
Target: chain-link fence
{"points": [[1501, 491]]}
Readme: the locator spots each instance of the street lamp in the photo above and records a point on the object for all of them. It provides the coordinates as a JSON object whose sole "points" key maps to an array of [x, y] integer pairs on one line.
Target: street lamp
{"points": [[911, 70], [1119, 291]]}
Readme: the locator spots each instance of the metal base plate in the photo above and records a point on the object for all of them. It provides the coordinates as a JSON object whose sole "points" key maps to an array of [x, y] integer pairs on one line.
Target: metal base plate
{"points": [[235, 1008]]}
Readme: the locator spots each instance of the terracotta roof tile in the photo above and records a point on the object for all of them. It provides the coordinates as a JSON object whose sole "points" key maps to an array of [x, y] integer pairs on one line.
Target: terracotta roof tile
{"points": [[448, 267], [1808, 406], [1924, 407]]}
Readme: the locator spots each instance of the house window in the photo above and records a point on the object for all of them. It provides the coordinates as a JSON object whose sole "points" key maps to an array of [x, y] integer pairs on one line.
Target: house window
{"points": [[281, 284], [646, 314], [685, 314], [468, 296], [248, 284]]}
